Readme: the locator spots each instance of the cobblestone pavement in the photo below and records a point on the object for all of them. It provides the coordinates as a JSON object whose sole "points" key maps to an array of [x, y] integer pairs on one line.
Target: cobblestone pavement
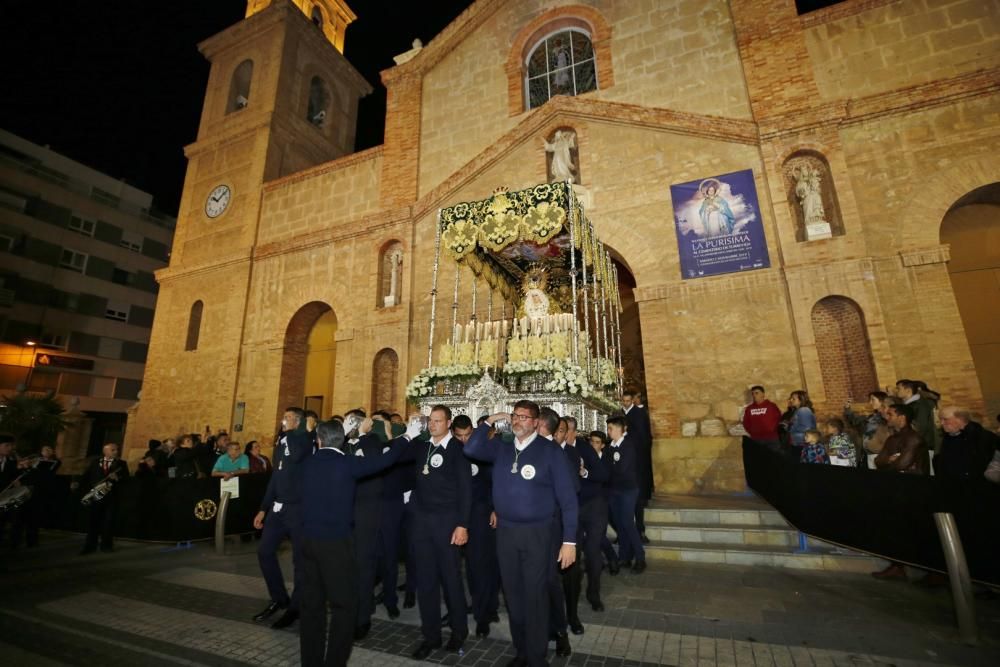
{"points": [[145, 605]]}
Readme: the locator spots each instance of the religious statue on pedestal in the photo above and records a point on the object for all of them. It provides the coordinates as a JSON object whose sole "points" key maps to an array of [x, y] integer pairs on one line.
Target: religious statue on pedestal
{"points": [[562, 167], [807, 189]]}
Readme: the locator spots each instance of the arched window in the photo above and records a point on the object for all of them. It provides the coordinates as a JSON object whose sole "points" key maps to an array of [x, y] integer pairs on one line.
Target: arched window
{"points": [[845, 353], [239, 87], [194, 326], [390, 275], [319, 102], [561, 63], [385, 372], [317, 17]]}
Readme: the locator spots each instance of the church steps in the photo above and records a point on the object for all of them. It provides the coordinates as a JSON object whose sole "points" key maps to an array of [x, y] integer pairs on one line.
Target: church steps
{"points": [[739, 530]]}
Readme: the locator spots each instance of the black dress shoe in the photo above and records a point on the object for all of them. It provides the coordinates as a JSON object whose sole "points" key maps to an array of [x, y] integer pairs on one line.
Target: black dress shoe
{"points": [[645, 540], [517, 662], [361, 631], [639, 567], [482, 630], [562, 645], [286, 619], [575, 626], [613, 568], [425, 649], [392, 610], [494, 618], [107, 550], [87, 550], [625, 564], [596, 605], [455, 642], [410, 601], [268, 612]]}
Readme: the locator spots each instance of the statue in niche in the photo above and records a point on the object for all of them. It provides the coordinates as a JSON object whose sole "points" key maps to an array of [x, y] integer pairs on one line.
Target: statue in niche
{"points": [[562, 167], [808, 190], [395, 268]]}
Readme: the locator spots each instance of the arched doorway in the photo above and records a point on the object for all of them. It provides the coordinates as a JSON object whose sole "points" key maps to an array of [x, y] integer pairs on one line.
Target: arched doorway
{"points": [[309, 359], [385, 379], [972, 228], [631, 331], [845, 353]]}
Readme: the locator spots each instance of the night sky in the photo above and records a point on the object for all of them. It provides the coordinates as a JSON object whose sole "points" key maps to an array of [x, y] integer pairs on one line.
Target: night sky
{"points": [[118, 84]]}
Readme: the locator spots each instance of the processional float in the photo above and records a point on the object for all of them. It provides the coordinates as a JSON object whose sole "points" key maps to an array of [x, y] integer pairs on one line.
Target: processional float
{"points": [[557, 340]]}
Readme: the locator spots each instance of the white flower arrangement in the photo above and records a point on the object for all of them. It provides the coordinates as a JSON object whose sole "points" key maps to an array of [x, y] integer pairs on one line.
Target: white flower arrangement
{"points": [[423, 383]]}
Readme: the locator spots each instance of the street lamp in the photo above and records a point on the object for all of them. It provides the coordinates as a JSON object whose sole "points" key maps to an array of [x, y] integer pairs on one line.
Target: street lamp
{"points": [[31, 364]]}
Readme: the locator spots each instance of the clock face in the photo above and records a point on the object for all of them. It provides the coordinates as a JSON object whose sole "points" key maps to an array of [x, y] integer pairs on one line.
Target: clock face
{"points": [[218, 201]]}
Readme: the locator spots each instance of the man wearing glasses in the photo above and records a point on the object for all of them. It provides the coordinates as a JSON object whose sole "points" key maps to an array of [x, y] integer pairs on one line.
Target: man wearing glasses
{"points": [[530, 481]]}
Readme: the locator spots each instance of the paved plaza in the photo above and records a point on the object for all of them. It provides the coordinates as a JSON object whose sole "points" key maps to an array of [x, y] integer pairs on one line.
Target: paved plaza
{"points": [[146, 606]]}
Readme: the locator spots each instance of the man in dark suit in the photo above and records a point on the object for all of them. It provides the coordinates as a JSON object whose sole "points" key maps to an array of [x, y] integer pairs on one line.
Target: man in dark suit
{"points": [[329, 567], [8, 473], [640, 434], [624, 492], [442, 502], [368, 442], [282, 509], [102, 512]]}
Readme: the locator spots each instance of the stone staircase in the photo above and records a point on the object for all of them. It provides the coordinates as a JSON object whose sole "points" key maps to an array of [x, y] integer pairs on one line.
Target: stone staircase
{"points": [[739, 530]]}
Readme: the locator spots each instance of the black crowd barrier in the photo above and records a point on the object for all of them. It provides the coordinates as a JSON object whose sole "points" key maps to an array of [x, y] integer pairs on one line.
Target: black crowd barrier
{"points": [[158, 508], [884, 514]]}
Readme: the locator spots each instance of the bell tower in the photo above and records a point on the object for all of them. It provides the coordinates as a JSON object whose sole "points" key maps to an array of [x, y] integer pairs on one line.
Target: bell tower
{"points": [[281, 98]]}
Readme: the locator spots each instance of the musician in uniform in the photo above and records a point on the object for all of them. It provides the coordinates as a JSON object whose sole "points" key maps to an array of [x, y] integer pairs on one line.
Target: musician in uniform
{"points": [[280, 517], [108, 469], [531, 481], [8, 473], [441, 500], [40, 476], [330, 571]]}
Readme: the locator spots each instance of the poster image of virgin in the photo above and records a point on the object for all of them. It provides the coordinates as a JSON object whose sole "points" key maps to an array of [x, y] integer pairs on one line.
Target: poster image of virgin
{"points": [[718, 225]]}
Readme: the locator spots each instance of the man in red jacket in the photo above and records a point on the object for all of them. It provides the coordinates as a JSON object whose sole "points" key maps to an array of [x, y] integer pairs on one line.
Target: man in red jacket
{"points": [[761, 418]]}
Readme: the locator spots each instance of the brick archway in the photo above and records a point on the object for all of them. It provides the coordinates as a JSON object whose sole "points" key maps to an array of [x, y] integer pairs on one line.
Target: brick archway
{"points": [[971, 228], [845, 353], [296, 352]]}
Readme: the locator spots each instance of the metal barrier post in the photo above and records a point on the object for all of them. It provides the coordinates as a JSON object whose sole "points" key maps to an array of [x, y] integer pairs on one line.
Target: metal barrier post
{"points": [[958, 575], [220, 524]]}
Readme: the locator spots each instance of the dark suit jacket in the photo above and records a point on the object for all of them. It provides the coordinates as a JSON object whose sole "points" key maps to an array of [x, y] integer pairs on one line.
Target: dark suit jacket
{"points": [[640, 434], [95, 473]]}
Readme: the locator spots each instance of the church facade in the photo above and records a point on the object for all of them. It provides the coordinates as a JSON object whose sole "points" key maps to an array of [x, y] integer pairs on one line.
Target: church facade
{"points": [[301, 270]]}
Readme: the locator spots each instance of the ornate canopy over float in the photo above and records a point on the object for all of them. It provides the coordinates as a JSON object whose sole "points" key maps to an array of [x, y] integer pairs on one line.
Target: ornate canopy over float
{"points": [[557, 340]]}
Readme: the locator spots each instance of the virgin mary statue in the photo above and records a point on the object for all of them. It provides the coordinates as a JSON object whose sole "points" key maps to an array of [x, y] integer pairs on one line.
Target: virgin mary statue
{"points": [[716, 216]]}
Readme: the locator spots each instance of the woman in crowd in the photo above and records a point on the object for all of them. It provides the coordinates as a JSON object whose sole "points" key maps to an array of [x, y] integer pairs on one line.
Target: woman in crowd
{"points": [[873, 428], [802, 418], [258, 462]]}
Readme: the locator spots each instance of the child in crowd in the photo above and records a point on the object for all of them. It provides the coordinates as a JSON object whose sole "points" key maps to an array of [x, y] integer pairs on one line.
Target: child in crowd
{"points": [[838, 444], [813, 450]]}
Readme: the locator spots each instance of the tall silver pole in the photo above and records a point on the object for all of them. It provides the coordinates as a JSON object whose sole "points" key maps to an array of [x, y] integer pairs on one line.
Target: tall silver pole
{"points": [[604, 311], [597, 315], [489, 303], [475, 294], [958, 575], [586, 305], [454, 303], [434, 290], [575, 337], [618, 331]]}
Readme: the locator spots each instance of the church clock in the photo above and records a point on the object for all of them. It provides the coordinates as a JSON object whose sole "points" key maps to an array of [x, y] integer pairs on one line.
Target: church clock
{"points": [[218, 201]]}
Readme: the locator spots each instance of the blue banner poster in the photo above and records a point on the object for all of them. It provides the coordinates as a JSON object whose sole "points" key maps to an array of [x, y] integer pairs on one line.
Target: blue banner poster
{"points": [[718, 225]]}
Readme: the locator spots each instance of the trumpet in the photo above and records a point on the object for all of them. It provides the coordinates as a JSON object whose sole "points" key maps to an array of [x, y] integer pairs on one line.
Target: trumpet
{"points": [[100, 490]]}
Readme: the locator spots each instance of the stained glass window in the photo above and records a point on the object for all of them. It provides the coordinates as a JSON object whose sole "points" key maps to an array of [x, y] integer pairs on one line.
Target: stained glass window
{"points": [[560, 64]]}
